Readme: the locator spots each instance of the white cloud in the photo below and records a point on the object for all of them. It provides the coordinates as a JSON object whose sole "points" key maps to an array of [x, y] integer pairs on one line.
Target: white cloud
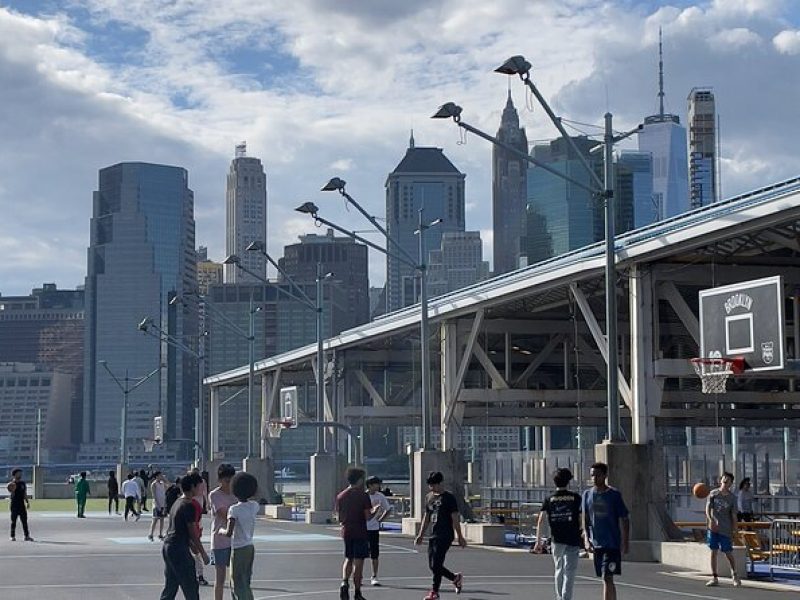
{"points": [[734, 40], [787, 42], [343, 164]]}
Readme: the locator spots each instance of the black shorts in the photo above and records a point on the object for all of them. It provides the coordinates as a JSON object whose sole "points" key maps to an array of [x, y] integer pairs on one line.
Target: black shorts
{"points": [[607, 562], [356, 548], [374, 543]]}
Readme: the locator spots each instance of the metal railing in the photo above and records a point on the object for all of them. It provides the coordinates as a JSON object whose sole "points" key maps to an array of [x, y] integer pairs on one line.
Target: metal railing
{"points": [[784, 536]]}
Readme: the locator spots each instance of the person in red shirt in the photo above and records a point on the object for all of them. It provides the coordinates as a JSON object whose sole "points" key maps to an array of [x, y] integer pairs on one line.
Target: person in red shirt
{"points": [[354, 509]]}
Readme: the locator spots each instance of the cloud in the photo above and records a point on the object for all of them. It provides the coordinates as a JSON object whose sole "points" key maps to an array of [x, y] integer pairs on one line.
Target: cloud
{"points": [[329, 87], [787, 42]]}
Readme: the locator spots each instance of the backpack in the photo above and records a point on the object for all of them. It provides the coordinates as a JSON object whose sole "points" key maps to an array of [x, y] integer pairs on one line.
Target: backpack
{"points": [[172, 494]]}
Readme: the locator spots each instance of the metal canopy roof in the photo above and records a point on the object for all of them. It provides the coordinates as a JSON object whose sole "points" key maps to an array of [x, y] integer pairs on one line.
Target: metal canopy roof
{"points": [[732, 227]]}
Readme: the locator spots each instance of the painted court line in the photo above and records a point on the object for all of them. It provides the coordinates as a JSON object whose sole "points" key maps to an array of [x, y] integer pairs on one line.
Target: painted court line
{"points": [[663, 590]]}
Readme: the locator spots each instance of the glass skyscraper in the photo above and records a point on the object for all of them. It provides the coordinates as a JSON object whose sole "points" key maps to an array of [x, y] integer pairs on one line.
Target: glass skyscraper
{"points": [[702, 148], [634, 187], [141, 255], [425, 178]]}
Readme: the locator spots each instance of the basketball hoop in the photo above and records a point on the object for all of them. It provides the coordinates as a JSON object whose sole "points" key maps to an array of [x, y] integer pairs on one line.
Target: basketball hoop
{"points": [[274, 428], [149, 444], [714, 372]]}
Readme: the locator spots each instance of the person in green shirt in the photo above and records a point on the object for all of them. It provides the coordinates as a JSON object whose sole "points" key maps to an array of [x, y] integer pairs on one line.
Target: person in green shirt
{"points": [[81, 491]]}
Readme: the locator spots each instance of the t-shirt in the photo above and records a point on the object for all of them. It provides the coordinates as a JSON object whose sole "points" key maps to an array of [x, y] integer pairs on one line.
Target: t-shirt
{"points": [[81, 487], [130, 489], [350, 506], [220, 501], [245, 515], [159, 490], [723, 510], [440, 508], [377, 499], [745, 501], [19, 495], [113, 486], [182, 519], [602, 512], [563, 510]]}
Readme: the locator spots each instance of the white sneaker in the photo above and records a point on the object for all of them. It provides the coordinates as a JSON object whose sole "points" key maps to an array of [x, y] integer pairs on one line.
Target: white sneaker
{"points": [[374, 581], [712, 582], [736, 581]]}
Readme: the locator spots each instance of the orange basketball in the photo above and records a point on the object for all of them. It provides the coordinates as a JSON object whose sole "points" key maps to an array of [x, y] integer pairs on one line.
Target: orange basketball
{"points": [[700, 490]]}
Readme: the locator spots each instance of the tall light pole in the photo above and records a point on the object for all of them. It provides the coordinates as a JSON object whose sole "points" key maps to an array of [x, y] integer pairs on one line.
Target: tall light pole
{"points": [[601, 188], [404, 257], [126, 389], [317, 306]]}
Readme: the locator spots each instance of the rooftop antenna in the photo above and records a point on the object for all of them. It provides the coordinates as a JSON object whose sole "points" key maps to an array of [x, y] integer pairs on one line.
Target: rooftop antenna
{"points": [[660, 76]]}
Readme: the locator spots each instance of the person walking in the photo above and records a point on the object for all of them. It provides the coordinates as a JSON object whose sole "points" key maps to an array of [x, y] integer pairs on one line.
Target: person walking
{"points": [[82, 490], [354, 509], [441, 511], [221, 499], [377, 499], [158, 492], [722, 524], [19, 504], [182, 539], [113, 492], [744, 501], [130, 490], [241, 525], [140, 481], [563, 511], [603, 512], [201, 501]]}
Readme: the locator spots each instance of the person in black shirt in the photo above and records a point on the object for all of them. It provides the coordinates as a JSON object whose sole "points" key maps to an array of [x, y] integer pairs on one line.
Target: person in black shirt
{"points": [[20, 504], [183, 538], [113, 492], [441, 509], [563, 510]]}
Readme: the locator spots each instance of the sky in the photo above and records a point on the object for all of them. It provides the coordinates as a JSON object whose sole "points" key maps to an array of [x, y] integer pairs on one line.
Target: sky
{"points": [[323, 88]]}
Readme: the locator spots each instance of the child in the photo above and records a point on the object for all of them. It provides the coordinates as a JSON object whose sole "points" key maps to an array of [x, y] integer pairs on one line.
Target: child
{"points": [[241, 523]]}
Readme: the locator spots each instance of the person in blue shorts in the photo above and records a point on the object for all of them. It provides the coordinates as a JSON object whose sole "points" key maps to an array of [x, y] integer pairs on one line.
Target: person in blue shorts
{"points": [[721, 519], [604, 511]]}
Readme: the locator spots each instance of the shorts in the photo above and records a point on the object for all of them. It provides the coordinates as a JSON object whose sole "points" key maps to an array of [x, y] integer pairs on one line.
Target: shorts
{"points": [[159, 513], [374, 543], [607, 562], [222, 556], [358, 548], [717, 541]]}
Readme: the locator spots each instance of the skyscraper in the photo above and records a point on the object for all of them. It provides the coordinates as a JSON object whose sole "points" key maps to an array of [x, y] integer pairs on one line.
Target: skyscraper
{"points": [[425, 178], [665, 139], [245, 215], [702, 147], [141, 255], [509, 192], [345, 258], [457, 263], [637, 205]]}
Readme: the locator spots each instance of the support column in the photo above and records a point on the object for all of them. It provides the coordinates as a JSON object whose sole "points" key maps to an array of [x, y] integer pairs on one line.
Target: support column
{"points": [[324, 479], [213, 446], [646, 388], [449, 360], [452, 466]]}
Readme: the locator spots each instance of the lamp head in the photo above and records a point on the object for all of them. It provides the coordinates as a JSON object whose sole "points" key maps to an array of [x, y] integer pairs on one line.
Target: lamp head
{"points": [[308, 208], [144, 324], [516, 65], [175, 300], [447, 110], [256, 245], [232, 260], [334, 185]]}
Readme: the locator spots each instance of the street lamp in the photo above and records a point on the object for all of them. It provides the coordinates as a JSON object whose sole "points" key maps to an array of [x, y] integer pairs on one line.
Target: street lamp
{"points": [[600, 188], [402, 255], [317, 307], [126, 389]]}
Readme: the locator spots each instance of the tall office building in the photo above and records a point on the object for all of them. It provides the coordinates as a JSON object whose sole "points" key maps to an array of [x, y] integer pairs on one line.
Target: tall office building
{"points": [[208, 272], [509, 193], [457, 263], [702, 148], [638, 204], [344, 258], [426, 179], [141, 255], [665, 139], [245, 215]]}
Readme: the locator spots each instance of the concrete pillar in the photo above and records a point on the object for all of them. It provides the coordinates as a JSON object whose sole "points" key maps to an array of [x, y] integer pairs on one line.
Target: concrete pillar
{"points": [[324, 480], [38, 482], [265, 447], [452, 466], [646, 388], [449, 359], [213, 443], [262, 469]]}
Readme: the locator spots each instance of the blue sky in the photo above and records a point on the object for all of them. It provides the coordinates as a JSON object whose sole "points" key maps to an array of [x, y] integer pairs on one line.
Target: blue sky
{"points": [[326, 88]]}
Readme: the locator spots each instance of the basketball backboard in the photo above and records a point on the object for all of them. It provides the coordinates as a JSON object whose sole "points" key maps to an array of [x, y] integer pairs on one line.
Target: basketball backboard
{"points": [[158, 429], [289, 404], [744, 320]]}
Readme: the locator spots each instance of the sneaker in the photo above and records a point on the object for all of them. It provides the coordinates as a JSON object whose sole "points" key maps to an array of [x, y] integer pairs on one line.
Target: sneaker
{"points": [[28, 538], [432, 595], [139, 516], [202, 580], [712, 582], [357, 595], [374, 581], [736, 581], [13, 539], [344, 591], [458, 581], [150, 537], [161, 537]]}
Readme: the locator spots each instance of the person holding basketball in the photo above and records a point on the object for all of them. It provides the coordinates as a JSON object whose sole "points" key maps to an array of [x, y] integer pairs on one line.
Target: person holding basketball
{"points": [[20, 503], [722, 524]]}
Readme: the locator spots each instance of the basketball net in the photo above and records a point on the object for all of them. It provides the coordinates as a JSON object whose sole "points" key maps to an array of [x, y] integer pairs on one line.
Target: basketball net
{"points": [[274, 428], [149, 444], [714, 373]]}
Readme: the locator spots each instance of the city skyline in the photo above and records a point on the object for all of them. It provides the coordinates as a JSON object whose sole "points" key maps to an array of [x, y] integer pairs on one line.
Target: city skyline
{"points": [[329, 112]]}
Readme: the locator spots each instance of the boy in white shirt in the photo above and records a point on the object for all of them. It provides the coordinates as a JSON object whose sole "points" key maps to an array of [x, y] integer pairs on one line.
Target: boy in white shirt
{"points": [[241, 524], [158, 491], [374, 524]]}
